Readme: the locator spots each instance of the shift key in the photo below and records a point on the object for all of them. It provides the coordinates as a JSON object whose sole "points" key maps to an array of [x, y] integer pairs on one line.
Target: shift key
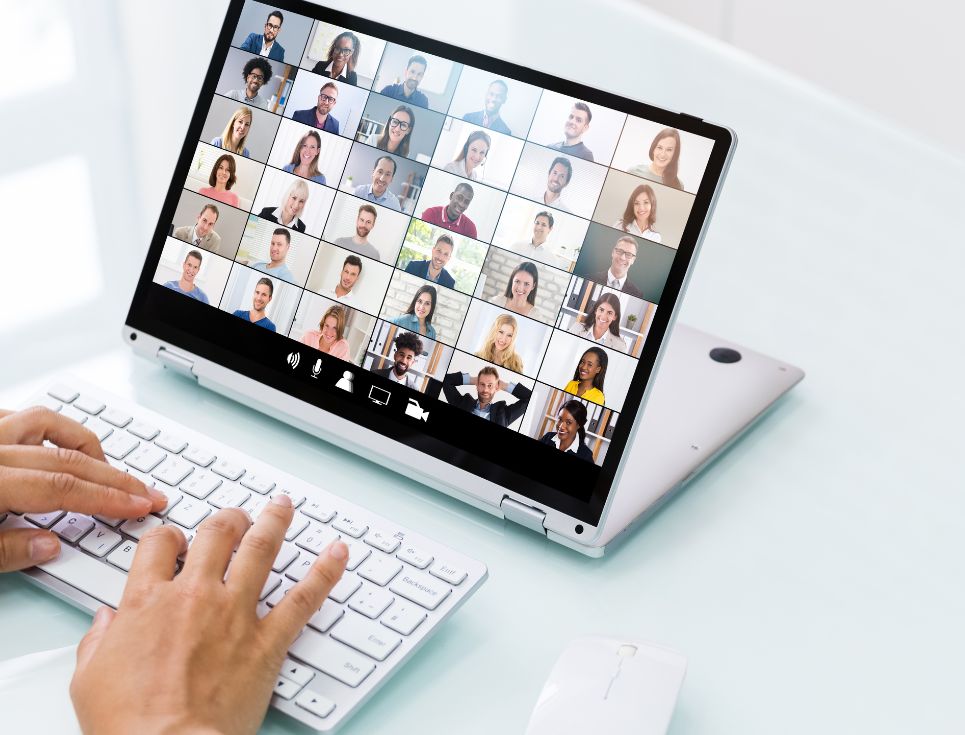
{"points": [[333, 658]]}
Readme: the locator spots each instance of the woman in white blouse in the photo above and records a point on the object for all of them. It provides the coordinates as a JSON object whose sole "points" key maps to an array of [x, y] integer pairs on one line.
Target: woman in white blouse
{"points": [[601, 324], [641, 214]]}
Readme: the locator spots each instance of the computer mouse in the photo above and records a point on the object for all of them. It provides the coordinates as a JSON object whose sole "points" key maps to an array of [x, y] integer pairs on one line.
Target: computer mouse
{"points": [[609, 685]]}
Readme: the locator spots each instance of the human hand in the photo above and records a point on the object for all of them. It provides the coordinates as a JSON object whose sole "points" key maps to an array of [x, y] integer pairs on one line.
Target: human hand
{"points": [[503, 385], [188, 654], [73, 476]]}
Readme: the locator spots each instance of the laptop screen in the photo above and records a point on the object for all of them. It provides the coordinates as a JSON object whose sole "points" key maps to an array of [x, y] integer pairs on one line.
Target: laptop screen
{"points": [[469, 257]]}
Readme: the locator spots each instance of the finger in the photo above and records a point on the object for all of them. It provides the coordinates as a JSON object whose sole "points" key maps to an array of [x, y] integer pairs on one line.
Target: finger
{"points": [[24, 547], [37, 424], [88, 644], [259, 547], [217, 538], [305, 598], [82, 466], [155, 559], [36, 491]]}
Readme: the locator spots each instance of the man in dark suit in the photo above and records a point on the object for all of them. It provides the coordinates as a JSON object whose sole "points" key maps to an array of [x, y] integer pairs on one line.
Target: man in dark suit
{"points": [[489, 117], [487, 384], [265, 44], [434, 269], [407, 348], [319, 116], [621, 258]]}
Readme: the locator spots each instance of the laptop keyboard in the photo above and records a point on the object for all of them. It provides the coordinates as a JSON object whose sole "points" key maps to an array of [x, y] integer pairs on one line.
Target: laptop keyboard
{"points": [[397, 588]]}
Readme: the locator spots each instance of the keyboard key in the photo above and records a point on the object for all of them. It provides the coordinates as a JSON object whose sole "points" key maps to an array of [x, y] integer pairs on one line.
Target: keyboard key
{"points": [[416, 557], [170, 441], [145, 458], [228, 469], [297, 673], [73, 413], [297, 497], [299, 523], [48, 402], [146, 431], [63, 393], [420, 588], [318, 704], [366, 636], [316, 537], [88, 404], [109, 520], [123, 555], [173, 471], [286, 688], [72, 528], [297, 571], [351, 527], [371, 601], [229, 495], [383, 541], [119, 444], [199, 455], [44, 520], [271, 583], [116, 417], [279, 594], [100, 541], [142, 476], [404, 617], [335, 659], [380, 569], [452, 575], [345, 588], [357, 553], [286, 555], [101, 429], [137, 527], [98, 580], [174, 497], [201, 484], [326, 617], [189, 513], [254, 505], [258, 483], [318, 510]]}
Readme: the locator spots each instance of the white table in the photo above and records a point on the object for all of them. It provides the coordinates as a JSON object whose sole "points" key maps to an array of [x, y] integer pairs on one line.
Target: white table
{"points": [[813, 576]]}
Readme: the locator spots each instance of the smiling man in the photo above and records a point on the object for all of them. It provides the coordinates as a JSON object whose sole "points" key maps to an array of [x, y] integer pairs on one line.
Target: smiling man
{"points": [[623, 255], [573, 130], [185, 285], [359, 242], [487, 384], [407, 348], [264, 290], [378, 191], [408, 90], [557, 179], [256, 73], [434, 269], [281, 241], [452, 215], [349, 276], [266, 44], [202, 234], [488, 117], [320, 116]]}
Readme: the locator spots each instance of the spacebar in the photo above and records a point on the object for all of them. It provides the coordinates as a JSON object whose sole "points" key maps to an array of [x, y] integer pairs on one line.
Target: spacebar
{"points": [[87, 574]]}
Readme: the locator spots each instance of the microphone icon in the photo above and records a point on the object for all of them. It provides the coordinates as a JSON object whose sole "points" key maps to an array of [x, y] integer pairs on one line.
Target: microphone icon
{"points": [[317, 368]]}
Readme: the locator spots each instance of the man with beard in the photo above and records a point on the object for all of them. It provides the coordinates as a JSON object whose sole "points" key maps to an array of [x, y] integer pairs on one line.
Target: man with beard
{"points": [[487, 384], [434, 269], [259, 302], [378, 190], [266, 44], [408, 90], [573, 130], [407, 348], [319, 116], [359, 242], [560, 173], [256, 73], [452, 215], [488, 117], [351, 270]]}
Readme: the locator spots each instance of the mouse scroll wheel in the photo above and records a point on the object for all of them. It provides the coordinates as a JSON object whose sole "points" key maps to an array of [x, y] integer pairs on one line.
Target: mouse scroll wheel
{"points": [[626, 650]]}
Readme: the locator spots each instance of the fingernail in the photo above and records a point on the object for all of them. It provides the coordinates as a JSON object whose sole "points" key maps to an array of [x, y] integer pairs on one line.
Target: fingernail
{"points": [[157, 495], [338, 550], [43, 548], [281, 499]]}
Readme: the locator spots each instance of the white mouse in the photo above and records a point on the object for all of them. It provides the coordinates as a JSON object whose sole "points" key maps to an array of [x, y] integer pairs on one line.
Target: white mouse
{"points": [[609, 685]]}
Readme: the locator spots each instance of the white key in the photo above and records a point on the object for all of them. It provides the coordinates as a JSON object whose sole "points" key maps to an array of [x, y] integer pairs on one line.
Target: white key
{"points": [[366, 636], [170, 441], [144, 430], [229, 495], [299, 674], [258, 483], [357, 553], [416, 557], [297, 571], [63, 393], [143, 477], [44, 520], [279, 594], [100, 541], [201, 484], [271, 583], [297, 497], [318, 510], [345, 588], [145, 458], [286, 688], [351, 527], [189, 512], [174, 497], [382, 541], [200, 456], [123, 555], [380, 569], [452, 575], [137, 527], [299, 523], [93, 577], [116, 417], [316, 537], [420, 588], [47, 402], [74, 413], [118, 445], [254, 505], [109, 520], [371, 601], [326, 617], [173, 471], [286, 555], [89, 404], [333, 658], [228, 469], [404, 617], [73, 527], [101, 429], [319, 705]]}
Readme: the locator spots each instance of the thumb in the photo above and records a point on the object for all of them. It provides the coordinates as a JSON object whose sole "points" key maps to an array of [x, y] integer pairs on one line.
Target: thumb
{"points": [[25, 547], [89, 643]]}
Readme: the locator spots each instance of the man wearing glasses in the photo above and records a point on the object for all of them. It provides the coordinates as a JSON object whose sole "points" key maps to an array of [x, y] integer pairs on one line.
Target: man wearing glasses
{"points": [[256, 73], [622, 256], [319, 116], [266, 44]]}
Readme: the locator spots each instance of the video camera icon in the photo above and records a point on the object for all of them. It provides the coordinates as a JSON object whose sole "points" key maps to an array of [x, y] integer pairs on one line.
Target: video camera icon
{"points": [[416, 411]]}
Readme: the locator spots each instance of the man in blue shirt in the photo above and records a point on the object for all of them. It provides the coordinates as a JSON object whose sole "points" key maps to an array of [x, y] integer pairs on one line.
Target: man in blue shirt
{"points": [[378, 190], [190, 268], [319, 116], [408, 91], [257, 316], [266, 44], [281, 241]]}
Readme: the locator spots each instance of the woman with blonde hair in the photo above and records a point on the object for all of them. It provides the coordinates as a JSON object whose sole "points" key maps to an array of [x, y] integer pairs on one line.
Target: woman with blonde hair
{"points": [[498, 345], [236, 133], [291, 207], [330, 335], [304, 161]]}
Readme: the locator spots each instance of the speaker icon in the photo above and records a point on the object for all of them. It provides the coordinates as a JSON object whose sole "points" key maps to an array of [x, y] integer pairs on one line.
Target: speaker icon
{"points": [[294, 358]]}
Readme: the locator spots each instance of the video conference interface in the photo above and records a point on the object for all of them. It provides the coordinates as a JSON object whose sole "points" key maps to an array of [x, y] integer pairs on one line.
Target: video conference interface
{"points": [[484, 242]]}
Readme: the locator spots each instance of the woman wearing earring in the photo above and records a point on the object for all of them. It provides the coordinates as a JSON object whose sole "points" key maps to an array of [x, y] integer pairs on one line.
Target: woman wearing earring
{"points": [[343, 57], [520, 293], [589, 376], [418, 317], [601, 323], [640, 214], [570, 434], [471, 157], [223, 177], [235, 133]]}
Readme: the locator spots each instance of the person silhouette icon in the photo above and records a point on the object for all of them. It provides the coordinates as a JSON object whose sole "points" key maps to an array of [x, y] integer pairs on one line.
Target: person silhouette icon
{"points": [[345, 382]]}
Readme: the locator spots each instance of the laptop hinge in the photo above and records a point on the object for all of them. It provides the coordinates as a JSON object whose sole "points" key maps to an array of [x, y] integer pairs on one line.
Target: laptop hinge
{"points": [[524, 515], [177, 363]]}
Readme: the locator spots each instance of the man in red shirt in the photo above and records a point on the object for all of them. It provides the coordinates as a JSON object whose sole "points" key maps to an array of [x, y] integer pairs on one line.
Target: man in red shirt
{"points": [[451, 216]]}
